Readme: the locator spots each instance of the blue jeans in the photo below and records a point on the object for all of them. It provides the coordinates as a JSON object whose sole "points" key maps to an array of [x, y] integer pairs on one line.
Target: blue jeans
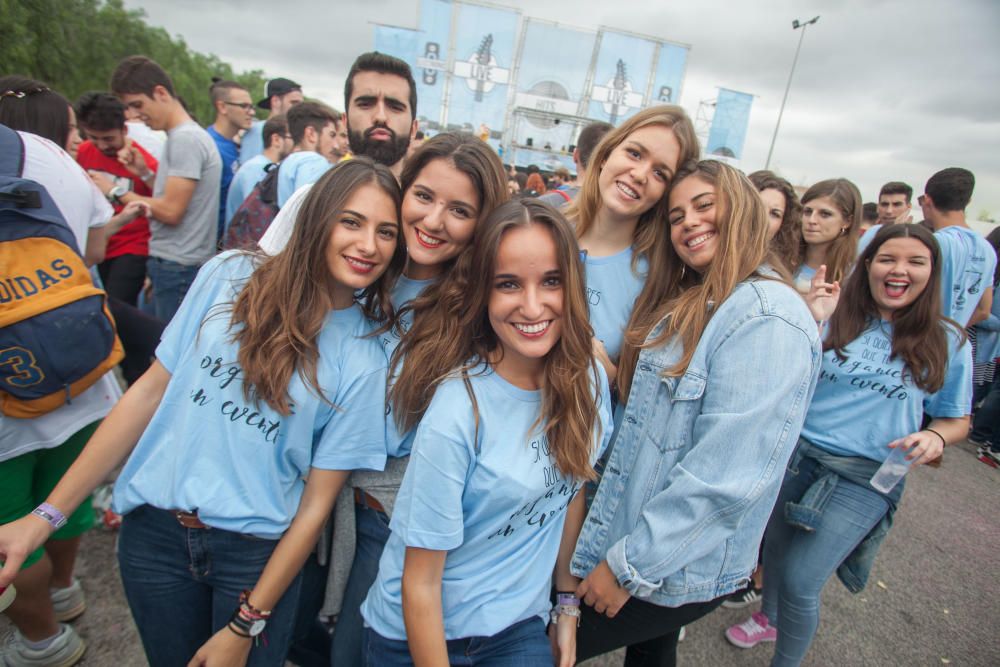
{"points": [[372, 534], [797, 564], [523, 644], [171, 281], [183, 585]]}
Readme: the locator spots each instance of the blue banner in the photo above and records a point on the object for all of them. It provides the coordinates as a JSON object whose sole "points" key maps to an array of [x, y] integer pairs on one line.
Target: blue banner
{"points": [[432, 61], [482, 69], [729, 124], [551, 80], [669, 74], [398, 42], [621, 76]]}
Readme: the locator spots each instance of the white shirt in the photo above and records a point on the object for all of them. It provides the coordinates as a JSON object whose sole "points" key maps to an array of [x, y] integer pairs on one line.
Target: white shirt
{"points": [[84, 207]]}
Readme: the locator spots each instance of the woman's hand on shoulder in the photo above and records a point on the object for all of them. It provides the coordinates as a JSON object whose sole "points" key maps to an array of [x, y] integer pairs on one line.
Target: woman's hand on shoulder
{"points": [[602, 591], [224, 649], [822, 297]]}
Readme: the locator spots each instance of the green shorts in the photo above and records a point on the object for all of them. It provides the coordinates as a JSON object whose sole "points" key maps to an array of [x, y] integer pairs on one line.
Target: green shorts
{"points": [[27, 480]]}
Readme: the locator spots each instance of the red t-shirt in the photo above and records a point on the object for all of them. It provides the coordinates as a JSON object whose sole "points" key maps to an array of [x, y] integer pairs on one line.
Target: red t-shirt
{"points": [[133, 238]]}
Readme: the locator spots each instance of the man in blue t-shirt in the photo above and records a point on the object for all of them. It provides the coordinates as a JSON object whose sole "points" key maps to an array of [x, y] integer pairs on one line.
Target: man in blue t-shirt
{"points": [[233, 112], [279, 145], [967, 259], [318, 146], [280, 95]]}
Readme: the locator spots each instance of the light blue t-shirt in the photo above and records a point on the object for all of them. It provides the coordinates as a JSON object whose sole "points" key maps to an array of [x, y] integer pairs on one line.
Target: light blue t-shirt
{"points": [[491, 497], [864, 403], [967, 265], [241, 465], [298, 169], [803, 278], [252, 143], [250, 174], [403, 292], [867, 237], [612, 288]]}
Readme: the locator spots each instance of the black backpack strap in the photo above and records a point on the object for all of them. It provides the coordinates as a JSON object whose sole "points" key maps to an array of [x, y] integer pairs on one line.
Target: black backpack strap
{"points": [[269, 187], [11, 152]]}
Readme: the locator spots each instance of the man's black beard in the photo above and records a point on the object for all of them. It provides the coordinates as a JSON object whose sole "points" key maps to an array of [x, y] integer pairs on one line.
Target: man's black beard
{"points": [[384, 152]]}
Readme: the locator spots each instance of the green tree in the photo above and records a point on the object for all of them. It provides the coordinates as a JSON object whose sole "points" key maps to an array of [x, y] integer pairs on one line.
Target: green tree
{"points": [[74, 45]]}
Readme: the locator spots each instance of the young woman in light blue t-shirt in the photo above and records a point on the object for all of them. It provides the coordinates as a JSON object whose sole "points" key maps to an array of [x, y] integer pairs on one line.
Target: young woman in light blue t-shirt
{"points": [[513, 410], [831, 218], [451, 183], [619, 215], [244, 429], [889, 357]]}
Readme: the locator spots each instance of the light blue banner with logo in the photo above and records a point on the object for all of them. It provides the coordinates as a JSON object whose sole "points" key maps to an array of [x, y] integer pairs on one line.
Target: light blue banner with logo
{"points": [[621, 76], [669, 74], [482, 69], [729, 124]]}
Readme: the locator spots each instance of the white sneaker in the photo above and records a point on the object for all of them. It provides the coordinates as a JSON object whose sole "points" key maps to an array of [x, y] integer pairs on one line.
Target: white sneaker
{"points": [[64, 651], [68, 603]]}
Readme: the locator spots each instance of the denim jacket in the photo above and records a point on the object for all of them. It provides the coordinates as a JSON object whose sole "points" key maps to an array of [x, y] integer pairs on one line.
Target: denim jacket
{"points": [[697, 460]]}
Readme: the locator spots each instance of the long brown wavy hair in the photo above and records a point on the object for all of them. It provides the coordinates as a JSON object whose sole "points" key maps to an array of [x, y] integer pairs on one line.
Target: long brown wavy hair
{"points": [[841, 253], [786, 242], [651, 233], [278, 315], [689, 297], [451, 336], [918, 330]]}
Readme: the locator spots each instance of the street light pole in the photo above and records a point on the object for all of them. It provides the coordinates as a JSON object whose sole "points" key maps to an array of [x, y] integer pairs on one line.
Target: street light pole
{"points": [[795, 26]]}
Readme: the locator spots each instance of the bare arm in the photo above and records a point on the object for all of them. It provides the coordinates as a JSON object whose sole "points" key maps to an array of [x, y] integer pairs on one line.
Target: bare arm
{"points": [[97, 237], [284, 564], [563, 636], [170, 208], [422, 611], [114, 439], [982, 310]]}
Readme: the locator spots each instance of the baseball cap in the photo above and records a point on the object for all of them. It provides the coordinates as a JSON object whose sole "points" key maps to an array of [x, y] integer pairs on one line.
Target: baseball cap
{"points": [[277, 87]]}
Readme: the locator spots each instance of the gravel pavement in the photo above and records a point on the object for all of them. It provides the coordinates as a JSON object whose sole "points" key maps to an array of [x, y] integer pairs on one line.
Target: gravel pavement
{"points": [[933, 597]]}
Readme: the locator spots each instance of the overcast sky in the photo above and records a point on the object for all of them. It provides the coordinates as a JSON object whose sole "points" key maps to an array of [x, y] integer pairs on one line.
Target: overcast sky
{"points": [[884, 89]]}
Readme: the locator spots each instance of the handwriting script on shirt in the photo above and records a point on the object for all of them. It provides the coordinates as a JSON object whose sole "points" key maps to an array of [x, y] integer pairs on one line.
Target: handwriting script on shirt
{"points": [[226, 374]]}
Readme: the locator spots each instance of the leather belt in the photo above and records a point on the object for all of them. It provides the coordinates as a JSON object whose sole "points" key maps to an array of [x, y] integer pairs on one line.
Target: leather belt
{"points": [[367, 500], [188, 519]]}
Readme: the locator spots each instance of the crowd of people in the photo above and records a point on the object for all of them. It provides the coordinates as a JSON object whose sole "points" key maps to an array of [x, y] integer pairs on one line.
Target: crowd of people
{"points": [[382, 387]]}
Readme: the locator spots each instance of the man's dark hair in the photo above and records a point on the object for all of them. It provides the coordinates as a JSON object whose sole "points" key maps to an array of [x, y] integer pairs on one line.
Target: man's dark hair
{"points": [[589, 137], [532, 169], [100, 112], [276, 124], [869, 211], [31, 106], [309, 114], [219, 90], [951, 188], [140, 75], [896, 188], [382, 63]]}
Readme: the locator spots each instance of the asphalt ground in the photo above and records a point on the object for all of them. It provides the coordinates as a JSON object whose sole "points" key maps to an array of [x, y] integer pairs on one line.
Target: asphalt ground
{"points": [[933, 597]]}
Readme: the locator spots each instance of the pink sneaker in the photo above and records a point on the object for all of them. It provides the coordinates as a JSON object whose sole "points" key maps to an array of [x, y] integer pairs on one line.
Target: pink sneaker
{"points": [[752, 631]]}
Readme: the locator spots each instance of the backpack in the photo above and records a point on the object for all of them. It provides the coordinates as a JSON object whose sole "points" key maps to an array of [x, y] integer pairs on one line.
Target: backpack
{"points": [[255, 214], [57, 337]]}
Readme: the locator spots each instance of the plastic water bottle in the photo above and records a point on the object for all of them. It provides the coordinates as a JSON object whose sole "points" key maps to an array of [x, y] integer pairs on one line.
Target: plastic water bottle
{"points": [[893, 469], [7, 595]]}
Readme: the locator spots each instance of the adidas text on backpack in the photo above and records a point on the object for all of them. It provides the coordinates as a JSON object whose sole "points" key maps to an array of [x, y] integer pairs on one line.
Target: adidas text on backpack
{"points": [[57, 337]]}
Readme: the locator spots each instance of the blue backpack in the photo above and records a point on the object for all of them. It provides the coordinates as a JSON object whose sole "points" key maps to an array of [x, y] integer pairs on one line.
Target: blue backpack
{"points": [[57, 337]]}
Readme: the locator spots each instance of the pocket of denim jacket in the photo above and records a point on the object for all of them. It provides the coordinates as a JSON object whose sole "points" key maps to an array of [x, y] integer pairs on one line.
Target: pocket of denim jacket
{"points": [[673, 430]]}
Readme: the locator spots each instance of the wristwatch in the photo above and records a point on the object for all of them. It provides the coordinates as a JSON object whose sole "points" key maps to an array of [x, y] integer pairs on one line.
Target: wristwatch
{"points": [[116, 192], [252, 628]]}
